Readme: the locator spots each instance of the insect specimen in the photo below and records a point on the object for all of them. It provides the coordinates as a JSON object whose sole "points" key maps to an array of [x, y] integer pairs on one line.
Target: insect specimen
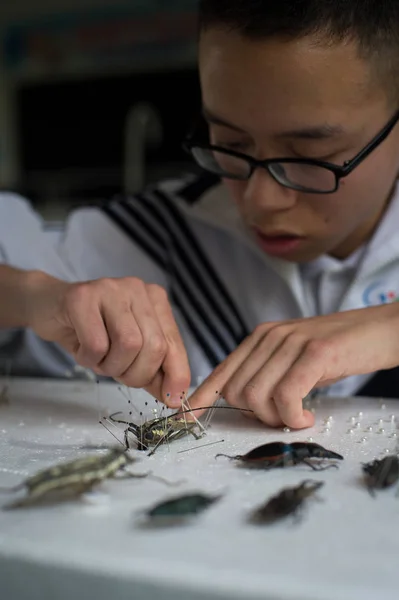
{"points": [[281, 454], [158, 431], [166, 429], [73, 478], [288, 502], [381, 473], [179, 509]]}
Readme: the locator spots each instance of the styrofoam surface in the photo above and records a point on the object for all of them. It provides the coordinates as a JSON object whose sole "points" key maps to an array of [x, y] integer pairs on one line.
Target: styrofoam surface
{"points": [[346, 547]]}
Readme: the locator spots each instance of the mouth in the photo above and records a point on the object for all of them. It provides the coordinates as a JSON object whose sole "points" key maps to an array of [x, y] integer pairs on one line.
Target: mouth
{"points": [[278, 243]]}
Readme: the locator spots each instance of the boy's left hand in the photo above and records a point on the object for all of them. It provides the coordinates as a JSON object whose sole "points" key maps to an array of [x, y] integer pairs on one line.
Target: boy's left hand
{"points": [[277, 366]]}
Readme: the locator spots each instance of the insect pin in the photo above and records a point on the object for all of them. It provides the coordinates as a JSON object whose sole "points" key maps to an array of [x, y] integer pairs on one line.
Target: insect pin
{"points": [[281, 454], [162, 430], [158, 431], [180, 509], [381, 473], [288, 502], [72, 478]]}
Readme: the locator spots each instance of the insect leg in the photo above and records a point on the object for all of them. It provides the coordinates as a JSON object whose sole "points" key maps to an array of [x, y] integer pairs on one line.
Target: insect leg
{"points": [[111, 418], [122, 474], [297, 516], [319, 467], [165, 481], [126, 438], [130, 475], [55, 496], [238, 457], [11, 490]]}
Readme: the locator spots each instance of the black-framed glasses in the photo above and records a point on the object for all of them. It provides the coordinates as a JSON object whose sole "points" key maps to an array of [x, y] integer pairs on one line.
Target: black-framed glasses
{"points": [[301, 174]]}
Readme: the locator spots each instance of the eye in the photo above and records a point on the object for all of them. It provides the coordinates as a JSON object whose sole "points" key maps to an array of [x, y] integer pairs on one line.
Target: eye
{"points": [[330, 157], [234, 146], [219, 139]]}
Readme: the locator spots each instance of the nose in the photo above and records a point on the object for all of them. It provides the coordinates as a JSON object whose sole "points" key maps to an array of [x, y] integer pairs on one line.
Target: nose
{"points": [[264, 193]]}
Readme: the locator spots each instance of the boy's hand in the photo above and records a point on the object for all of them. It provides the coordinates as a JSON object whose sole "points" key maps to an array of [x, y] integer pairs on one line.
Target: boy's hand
{"points": [[120, 328], [280, 363]]}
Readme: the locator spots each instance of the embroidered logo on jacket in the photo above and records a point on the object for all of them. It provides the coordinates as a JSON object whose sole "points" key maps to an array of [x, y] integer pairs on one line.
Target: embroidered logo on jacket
{"points": [[379, 293]]}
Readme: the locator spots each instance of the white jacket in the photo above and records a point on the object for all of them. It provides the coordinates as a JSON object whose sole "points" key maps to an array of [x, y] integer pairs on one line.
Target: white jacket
{"points": [[187, 236]]}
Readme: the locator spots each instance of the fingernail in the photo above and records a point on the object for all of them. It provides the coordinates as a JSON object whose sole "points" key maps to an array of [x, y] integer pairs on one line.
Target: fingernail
{"points": [[173, 402]]}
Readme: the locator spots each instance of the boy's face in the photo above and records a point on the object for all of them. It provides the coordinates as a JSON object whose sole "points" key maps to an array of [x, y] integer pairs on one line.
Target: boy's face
{"points": [[293, 99]]}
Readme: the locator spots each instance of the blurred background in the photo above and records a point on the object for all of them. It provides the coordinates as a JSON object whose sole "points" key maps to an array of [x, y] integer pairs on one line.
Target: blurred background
{"points": [[95, 97]]}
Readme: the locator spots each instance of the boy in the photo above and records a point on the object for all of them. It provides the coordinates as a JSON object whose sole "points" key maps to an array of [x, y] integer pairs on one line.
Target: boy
{"points": [[300, 103]]}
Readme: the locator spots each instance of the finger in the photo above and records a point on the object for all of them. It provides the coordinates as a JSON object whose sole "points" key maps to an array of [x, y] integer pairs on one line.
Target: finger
{"points": [[124, 334], [175, 366], [318, 366], [263, 393], [207, 393], [249, 415], [145, 352], [155, 387], [238, 387], [86, 320], [242, 362]]}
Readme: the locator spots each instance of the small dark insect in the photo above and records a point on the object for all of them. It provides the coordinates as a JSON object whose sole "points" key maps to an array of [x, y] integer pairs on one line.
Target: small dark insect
{"points": [[176, 510], [381, 473], [73, 478], [288, 502], [164, 429], [281, 454]]}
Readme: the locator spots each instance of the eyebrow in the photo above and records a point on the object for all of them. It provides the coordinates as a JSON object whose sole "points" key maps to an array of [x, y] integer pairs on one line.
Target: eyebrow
{"points": [[215, 120], [319, 132]]}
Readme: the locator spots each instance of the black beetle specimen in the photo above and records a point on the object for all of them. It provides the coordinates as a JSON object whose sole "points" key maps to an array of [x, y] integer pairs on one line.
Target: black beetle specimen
{"points": [[288, 502], [281, 454], [179, 509], [381, 473]]}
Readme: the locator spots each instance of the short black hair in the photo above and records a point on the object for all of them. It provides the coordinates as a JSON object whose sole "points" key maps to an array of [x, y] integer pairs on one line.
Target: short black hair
{"points": [[373, 24]]}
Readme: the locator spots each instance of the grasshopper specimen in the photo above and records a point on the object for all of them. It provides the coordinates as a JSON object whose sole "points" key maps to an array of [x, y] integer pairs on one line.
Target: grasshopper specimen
{"points": [[163, 430]]}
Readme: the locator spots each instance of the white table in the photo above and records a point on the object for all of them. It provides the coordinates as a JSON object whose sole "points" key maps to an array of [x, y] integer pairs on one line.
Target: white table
{"points": [[345, 548]]}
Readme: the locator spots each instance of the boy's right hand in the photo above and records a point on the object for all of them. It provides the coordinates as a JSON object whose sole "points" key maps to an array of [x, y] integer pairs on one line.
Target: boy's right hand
{"points": [[120, 328]]}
